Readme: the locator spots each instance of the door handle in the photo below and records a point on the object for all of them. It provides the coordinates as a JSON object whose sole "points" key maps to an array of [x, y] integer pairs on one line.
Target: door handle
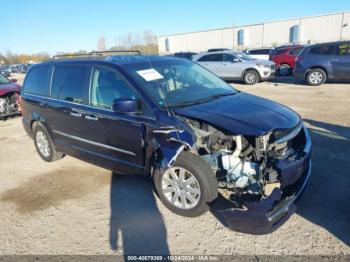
{"points": [[89, 117], [75, 114]]}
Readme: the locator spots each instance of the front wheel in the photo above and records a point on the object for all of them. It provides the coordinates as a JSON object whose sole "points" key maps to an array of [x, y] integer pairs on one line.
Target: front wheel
{"points": [[316, 77], [187, 187], [251, 77]]}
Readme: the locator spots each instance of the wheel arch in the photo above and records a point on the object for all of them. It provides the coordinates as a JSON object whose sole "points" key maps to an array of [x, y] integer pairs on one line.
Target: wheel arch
{"points": [[38, 118]]}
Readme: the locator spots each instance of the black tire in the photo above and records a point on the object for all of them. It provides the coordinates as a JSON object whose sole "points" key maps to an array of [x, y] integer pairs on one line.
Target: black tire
{"points": [[316, 77], [208, 184], [284, 70], [53, 154], [251, 77]]}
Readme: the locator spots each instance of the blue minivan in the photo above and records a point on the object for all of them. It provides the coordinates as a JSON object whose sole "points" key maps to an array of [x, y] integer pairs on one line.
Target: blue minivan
{"points": [[175, 121], [321, 62]]}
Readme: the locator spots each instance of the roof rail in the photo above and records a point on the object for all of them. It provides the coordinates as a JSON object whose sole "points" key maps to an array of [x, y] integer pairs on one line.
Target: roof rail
{"points": [[96, 53], [115, 51]]}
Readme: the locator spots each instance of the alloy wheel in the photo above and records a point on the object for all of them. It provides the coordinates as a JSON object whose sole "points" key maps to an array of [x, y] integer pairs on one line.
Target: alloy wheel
{"points": [[316, 77], [251, 78], [181, 188], [43, 143]]}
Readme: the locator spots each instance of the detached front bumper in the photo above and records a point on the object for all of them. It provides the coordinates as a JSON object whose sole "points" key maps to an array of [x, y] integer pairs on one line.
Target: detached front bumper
{"points": [[267, 215]]}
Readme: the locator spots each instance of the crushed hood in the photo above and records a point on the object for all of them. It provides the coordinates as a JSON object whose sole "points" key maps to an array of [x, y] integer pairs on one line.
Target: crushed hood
{"points": [[243, 114], [10, 87]]}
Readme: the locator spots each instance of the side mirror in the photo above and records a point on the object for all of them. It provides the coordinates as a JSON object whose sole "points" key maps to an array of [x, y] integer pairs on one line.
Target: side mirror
{"points": [[125, 106], [235, 60], [13, 80]]}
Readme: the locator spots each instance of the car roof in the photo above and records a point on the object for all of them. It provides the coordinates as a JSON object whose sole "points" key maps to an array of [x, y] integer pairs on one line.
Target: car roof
{"points": [[219, 52], [330, 43], [115, 59], [260, 48]]}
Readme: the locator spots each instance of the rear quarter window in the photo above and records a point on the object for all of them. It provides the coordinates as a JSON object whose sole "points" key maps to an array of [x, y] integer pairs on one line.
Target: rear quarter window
{"points": [[37, 81]]}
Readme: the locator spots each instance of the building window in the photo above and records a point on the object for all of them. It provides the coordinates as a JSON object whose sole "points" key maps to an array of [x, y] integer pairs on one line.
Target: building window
{"points": [[294, 34], [167, 44], [240, 37]]}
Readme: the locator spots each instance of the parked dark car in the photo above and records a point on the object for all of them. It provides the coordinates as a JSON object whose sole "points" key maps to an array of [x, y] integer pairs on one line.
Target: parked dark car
{"points": [[9, 94], [285, 57], [5, 70], [318, 63], [177, 122], [186, 55], [14, 68], [23, 69]]}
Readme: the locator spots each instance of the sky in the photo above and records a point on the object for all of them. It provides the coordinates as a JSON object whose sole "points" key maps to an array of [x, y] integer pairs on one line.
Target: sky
{"points": [[32, 26]]}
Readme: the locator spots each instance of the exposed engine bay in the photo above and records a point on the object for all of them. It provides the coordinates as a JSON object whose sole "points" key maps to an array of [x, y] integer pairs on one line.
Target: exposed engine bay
{"points": [[8, 105], [246, 164]]}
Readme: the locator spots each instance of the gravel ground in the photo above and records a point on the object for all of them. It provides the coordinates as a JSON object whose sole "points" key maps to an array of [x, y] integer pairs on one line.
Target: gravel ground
{"points": [[71, 207]]}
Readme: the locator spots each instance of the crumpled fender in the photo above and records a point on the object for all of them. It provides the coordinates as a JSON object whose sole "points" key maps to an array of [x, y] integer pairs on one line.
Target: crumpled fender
{"points": [[169, 143]]}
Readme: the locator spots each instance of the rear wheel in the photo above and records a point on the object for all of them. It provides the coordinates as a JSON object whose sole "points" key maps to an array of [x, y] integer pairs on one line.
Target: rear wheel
{"points": [[187, 187], [251, 77], [316, 77], [44, 145]]}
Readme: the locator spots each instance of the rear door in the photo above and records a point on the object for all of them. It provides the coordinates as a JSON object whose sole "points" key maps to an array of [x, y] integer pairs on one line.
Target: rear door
{"points": [[69, 96], [341, 61]]}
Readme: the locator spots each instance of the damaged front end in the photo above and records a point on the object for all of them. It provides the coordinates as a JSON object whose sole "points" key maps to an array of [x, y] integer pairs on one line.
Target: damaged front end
{"points": [[260, 176], [9, 105]]}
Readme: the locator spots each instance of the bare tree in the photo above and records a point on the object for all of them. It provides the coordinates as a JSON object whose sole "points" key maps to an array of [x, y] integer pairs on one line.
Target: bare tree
{"points": [[101, 43], [149, 37]]}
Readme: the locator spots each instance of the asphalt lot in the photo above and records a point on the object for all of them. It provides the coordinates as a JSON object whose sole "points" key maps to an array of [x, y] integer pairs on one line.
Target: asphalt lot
{"points": [[70, 207]]}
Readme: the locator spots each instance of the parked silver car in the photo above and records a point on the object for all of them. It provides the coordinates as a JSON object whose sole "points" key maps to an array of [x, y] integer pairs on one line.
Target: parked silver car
{"points": [[230, 65]]}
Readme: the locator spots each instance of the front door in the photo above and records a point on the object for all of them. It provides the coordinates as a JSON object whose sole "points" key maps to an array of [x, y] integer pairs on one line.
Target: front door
{"points": [[115, 139], [341, 61]]}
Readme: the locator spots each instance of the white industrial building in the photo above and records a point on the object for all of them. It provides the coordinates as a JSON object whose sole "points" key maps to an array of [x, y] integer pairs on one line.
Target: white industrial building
{"points": [[304, 30]]}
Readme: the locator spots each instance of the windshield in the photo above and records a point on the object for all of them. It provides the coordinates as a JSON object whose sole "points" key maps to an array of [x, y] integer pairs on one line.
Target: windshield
{"points": [[244, 57], [3, 80], [179, 83]]}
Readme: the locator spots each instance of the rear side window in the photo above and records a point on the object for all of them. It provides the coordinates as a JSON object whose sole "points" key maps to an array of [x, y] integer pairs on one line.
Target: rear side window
{"points": [[37, 81], [211, 58], [71, 83], [321, 50]]}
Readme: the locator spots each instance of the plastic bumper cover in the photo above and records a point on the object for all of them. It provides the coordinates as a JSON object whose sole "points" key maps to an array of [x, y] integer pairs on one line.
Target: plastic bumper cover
{"points": [[270, 213]]}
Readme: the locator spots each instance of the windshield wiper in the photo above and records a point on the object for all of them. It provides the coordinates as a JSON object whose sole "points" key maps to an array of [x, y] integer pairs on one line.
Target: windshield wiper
{"points": [[201, 101]]}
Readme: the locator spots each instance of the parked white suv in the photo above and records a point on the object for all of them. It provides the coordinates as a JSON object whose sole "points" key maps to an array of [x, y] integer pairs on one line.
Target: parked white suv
{"points": [[230, 65], [261, 53]]}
